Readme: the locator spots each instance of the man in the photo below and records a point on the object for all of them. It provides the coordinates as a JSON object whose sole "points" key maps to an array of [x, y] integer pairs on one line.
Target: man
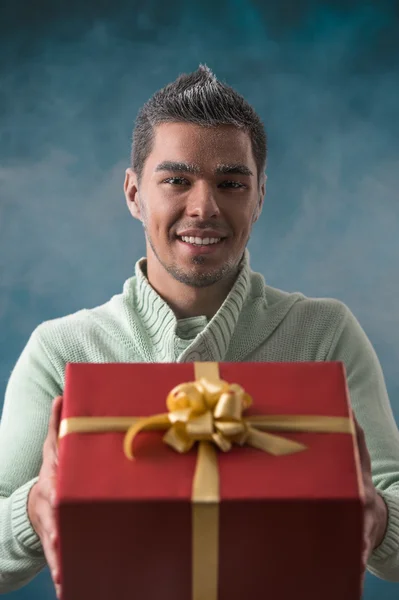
{"points": [[197, 184]]}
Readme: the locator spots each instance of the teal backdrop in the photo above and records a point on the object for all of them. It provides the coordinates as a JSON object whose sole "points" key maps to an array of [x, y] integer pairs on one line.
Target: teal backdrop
{"points": [[324, 77]]}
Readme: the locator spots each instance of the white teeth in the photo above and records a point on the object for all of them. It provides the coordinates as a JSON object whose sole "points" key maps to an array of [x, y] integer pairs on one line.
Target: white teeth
{"points": [[199, 241]]}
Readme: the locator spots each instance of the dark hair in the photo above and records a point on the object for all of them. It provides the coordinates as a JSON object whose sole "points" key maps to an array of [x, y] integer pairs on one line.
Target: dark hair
{"points": [[198, 98]]}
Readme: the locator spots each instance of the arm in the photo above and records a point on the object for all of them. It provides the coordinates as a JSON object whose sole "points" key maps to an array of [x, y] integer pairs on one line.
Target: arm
{"points": [[371, 406], [33, 385]]}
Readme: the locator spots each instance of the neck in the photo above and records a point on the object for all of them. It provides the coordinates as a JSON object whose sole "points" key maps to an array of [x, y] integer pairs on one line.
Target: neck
{"points": [[185, 300]]}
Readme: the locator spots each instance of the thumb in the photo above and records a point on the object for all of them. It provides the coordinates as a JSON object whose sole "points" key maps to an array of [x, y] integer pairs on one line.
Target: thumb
{"points": [[362, 446], [54, 423]]}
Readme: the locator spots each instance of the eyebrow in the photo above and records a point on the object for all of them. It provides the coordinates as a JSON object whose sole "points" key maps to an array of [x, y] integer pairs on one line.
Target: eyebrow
{"points": [[182, 167], [235, 169]]}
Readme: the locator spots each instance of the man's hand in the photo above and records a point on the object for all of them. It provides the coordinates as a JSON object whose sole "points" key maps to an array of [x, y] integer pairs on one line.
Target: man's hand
{"points": [[42, 497], [376, 511]]}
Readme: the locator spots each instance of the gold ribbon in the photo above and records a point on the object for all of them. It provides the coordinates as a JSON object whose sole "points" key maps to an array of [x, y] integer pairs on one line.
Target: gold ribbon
{"points": [[210, 411]]}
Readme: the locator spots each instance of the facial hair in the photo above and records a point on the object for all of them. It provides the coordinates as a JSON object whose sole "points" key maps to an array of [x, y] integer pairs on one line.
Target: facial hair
{"points": [[193, 278]]}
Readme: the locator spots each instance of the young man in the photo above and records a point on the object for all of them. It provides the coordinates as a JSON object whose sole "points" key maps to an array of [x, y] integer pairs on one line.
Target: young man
{"points": [[197, 184]]}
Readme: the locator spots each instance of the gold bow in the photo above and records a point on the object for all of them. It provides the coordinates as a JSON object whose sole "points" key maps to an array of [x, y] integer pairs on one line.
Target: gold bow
{"points": [[210, 409]]}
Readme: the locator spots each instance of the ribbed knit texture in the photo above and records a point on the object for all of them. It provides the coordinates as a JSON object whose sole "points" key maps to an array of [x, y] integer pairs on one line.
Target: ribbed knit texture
{"points": [[255, 323]]}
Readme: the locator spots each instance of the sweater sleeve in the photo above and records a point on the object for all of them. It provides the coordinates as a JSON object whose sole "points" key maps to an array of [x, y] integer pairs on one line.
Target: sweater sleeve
{"points": [[32, 386], [370, 403]]}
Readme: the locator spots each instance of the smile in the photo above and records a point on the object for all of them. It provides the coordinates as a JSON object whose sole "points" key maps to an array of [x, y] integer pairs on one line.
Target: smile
{"points": [[197, 241]]}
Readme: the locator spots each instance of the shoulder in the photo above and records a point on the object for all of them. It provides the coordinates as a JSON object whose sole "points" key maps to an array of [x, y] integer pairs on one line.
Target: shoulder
{"points": [[298, 304], [308, 305], [283, 325], [77, 335], [317, 313]]}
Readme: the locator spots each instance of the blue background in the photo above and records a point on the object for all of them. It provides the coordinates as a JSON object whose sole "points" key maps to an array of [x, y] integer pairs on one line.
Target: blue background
{"points": [[323, 76]]}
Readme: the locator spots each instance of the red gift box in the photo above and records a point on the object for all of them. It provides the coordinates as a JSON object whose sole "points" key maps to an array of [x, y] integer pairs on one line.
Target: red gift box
{"points": [[289, 526]]}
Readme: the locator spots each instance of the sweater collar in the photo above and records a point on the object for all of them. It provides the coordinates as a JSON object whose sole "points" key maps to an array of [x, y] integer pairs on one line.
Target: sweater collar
{"points": [[160, 325]]}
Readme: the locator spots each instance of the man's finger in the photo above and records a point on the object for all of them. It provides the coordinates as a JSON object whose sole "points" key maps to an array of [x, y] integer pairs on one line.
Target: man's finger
{"points": [[50, 552], [358, 428], [48, 523], [50, 546], [48, 485], [55, 419], [58, 591], [363, 450]]}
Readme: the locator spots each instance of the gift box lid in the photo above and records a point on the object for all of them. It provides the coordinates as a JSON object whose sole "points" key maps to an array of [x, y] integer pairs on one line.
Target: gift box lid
{"points": [[94, 463]]}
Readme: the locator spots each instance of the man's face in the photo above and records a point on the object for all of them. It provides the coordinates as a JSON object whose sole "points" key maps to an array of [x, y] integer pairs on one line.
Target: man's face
{"points": [[198, 199]]}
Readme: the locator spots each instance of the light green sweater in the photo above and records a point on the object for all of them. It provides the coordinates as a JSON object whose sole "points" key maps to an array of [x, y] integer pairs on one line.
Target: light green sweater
{"points": [[255, 323]]}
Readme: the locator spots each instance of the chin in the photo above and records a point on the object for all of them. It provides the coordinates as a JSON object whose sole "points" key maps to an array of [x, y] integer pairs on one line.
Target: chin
{"points": [[200, 274]]}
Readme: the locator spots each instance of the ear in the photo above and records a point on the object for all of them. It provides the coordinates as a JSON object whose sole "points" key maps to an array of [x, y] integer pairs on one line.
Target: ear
{"points": [[132, 193], [262, 193]]}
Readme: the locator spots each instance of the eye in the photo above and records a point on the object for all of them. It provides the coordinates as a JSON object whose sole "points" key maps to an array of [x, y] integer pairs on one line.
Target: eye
{"points": [[232, 184], [176, 180]]}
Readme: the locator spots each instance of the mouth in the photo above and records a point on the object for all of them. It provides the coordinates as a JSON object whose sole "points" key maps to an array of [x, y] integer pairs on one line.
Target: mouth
{"points": [[198, 241], [205, 245]]}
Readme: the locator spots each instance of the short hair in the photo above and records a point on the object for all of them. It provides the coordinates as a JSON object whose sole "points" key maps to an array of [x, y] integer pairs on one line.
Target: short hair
{"points": [[201, 99]]}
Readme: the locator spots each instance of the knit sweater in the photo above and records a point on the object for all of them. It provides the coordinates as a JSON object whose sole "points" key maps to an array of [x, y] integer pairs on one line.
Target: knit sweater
{"points": [[255, 323]]}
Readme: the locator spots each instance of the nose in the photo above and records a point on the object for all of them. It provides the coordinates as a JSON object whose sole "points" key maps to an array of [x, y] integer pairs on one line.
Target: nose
{"points": [[202, 202]]}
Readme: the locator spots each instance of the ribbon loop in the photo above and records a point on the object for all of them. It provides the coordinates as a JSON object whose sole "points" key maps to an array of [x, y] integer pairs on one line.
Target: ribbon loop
{"points": [[177, 438], [229, 406], [230, 428], [212, 390], [201, 427], [222, 442], [181, 415]]}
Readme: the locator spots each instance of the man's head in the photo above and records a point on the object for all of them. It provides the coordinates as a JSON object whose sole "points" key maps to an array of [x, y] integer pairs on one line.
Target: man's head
{"points": [[197, 181]]}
